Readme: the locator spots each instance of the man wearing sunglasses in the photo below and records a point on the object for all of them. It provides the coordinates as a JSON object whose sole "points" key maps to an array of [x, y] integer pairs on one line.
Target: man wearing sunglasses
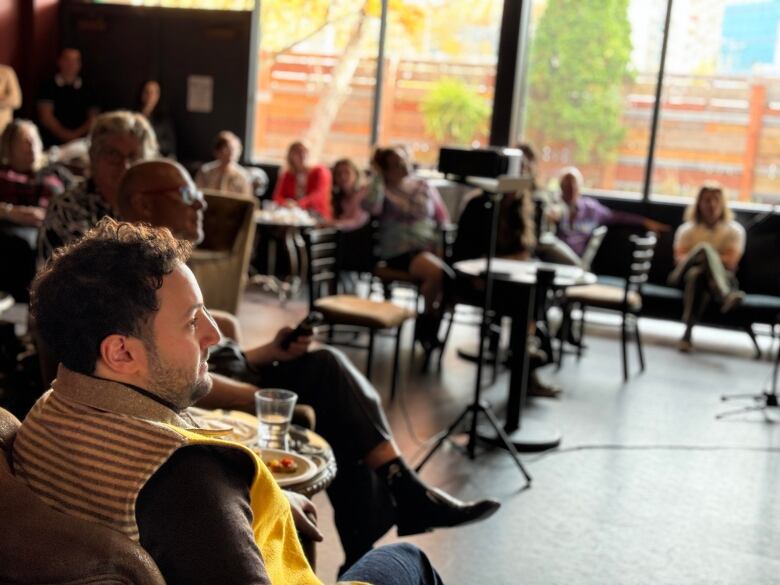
{"points": [[161, 193], [375, 487]]}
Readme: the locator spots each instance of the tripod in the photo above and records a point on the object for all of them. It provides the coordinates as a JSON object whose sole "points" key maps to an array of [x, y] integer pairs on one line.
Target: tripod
{"points": [[478, 405], [767, 399]]}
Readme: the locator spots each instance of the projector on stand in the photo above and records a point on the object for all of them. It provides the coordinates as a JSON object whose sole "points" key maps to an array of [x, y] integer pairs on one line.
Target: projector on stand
{"points": [[492, 169], [480, 162]]}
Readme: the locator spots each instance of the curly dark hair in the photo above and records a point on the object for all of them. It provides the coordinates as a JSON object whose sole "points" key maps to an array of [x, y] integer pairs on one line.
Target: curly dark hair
{"points": [[103, 284]]}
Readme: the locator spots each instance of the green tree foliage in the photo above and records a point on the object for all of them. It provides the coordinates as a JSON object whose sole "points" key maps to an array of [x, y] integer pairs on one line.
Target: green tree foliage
{"points": [[579, 64], [454, 113]]}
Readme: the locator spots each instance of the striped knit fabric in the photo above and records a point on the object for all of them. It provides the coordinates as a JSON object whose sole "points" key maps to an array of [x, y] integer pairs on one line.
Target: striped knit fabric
{"points": [[82, 457], [115, 455]]}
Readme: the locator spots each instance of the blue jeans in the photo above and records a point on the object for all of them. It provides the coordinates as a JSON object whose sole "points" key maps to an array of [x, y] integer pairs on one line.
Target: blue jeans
{"points": [[394, 564]]}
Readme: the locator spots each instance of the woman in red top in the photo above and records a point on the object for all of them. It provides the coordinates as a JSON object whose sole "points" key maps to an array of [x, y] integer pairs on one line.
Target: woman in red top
{"points": [[307, 187]]}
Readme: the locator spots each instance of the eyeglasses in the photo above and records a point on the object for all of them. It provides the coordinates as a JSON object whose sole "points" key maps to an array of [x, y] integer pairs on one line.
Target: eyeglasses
{"points": [[115, 157], [189, 194]]}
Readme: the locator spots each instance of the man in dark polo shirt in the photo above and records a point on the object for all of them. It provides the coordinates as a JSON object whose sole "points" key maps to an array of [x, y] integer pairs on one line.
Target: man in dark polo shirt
{"points": [[66, 107]]}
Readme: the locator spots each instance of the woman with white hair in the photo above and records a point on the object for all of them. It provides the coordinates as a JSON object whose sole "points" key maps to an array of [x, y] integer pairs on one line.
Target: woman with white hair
{"points": [[26, 187], [707, 250], [116, 140]]}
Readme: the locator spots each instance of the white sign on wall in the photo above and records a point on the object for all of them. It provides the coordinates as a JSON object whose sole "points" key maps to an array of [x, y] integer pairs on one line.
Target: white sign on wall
{"points": [[200, 94]]}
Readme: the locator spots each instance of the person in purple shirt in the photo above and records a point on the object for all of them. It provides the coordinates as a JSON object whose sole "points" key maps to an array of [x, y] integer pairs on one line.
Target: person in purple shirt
{"points": [[579, 215]]}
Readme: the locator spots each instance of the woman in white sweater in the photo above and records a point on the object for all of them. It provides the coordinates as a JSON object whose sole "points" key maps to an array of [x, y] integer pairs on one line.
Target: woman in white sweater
{"points": [[707, 250]]}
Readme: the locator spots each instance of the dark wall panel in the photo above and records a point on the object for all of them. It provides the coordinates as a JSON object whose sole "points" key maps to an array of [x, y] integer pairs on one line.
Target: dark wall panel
{"points": [[124, 46], [10, 23]]}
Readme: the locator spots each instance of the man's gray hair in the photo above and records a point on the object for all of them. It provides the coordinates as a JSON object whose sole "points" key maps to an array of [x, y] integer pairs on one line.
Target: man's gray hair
{"points": [[123, 122]]}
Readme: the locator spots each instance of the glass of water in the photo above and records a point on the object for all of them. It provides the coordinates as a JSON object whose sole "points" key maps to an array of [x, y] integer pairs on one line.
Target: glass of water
{"points": [[274, 412]]}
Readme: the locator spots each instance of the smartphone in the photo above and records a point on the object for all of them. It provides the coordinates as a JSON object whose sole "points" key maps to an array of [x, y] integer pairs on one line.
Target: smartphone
{"points": [[304, 328]]}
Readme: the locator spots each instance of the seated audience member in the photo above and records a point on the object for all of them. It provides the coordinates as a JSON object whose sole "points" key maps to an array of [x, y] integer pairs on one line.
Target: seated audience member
{"points": [[349, 414], [308, 187], [348, 193], [515, 239], [116, 140], [134, 339], [66, 106], [541, 196], [410, 211], [515, 234], [577, 216], [10, 95], [150, 106], [707, 250], [26, 186], [225, 174]]}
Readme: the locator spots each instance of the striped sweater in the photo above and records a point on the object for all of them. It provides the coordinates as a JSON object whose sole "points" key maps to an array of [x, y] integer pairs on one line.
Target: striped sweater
{"points": [[89, 445], [87, 464]]}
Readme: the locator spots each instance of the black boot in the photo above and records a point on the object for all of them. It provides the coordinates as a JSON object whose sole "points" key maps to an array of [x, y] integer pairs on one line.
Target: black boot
{"points": [[420, 508]]}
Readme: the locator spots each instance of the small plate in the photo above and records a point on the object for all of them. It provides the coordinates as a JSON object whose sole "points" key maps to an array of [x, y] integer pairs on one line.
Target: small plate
{"points": [[306, 468], [231, 425]]}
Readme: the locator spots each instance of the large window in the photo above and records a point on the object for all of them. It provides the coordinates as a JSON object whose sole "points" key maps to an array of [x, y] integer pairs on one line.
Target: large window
{"points": [[720, 116], [439, 74], [316, 78], [590, 88], [591, 83]]}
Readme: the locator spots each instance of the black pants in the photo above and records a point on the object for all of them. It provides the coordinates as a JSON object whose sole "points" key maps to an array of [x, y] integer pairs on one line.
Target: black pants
{"points": [[17, 249], [349, 416]]}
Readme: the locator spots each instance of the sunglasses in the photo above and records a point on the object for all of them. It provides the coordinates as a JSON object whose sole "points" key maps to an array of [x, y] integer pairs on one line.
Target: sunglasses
{"points": [[189, 195]]}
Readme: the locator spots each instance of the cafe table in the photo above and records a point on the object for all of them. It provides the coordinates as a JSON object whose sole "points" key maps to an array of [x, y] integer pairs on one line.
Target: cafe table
{"points": [[283, 225], [318, 458], [514, 294]]}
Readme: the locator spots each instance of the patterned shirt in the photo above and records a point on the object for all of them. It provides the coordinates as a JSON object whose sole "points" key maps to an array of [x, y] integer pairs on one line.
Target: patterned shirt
{"points": [[409, 215], [69, 216]]}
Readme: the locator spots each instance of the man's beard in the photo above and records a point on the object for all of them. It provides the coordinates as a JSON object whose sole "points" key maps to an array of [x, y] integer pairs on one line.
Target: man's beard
{"points": [[176, 385]]}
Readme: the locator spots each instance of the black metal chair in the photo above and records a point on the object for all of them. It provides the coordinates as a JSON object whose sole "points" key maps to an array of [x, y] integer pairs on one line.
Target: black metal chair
{"points": [[346, 310], [626, 299]]}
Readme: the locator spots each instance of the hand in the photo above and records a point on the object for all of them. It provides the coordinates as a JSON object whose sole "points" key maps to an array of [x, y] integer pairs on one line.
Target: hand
{"points": [[305, 516], [26, 215], [656, 226], [295, 350]]}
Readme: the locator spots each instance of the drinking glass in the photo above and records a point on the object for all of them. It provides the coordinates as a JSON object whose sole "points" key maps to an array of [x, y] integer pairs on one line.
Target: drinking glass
{"points": [[274, 412]]}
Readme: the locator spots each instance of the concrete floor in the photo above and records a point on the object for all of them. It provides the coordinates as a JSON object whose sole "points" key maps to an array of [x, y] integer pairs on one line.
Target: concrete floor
{"points": [[647, 487]]}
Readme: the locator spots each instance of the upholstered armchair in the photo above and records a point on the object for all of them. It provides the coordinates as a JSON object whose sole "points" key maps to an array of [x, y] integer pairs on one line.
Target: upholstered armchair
{"points": [[40, 545], [221, 261]]}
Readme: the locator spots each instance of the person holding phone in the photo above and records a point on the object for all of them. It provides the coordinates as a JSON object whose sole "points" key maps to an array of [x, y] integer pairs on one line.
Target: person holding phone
{"points": [[374, 477]]}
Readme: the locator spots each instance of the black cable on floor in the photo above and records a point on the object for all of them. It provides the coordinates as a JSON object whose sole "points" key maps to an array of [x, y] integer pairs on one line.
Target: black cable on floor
{"points": [[614, 447]]}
